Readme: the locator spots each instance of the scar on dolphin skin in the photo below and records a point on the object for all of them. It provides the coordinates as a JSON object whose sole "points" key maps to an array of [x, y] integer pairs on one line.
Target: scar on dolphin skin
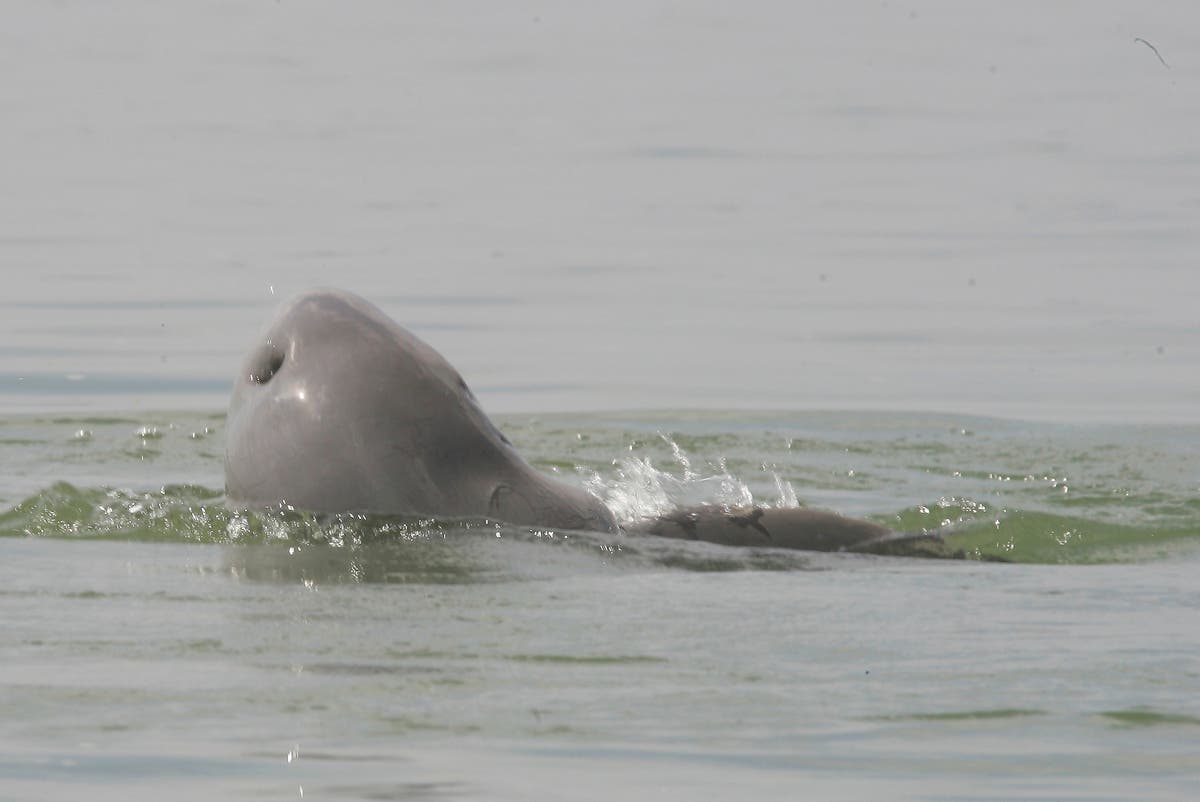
{"points": [[1155, 49], [685, 521], [751, 521]]}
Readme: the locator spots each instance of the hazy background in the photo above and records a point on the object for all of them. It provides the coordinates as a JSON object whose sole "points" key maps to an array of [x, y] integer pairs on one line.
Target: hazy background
{"points": [[985, 208]]}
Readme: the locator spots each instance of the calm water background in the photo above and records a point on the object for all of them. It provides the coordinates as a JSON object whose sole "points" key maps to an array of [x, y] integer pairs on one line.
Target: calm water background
{"points": [[906, 205], [918, 211]]}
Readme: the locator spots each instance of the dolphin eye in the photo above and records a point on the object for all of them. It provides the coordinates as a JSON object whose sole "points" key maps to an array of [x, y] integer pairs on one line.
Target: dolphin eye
{"points": [[264, 363]]}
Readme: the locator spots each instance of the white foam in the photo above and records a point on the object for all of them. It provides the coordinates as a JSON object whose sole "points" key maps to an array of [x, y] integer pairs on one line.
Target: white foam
{"points": [[638, 489]]}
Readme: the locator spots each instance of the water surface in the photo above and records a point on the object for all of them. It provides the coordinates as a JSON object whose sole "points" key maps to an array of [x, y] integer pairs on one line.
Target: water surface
{"points": [[985, 210], [161, 642], [923, 262]]}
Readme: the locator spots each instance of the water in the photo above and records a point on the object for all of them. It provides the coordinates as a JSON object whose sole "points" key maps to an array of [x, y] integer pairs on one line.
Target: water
{"points": [[919, 262], [903, 206], [160, 642]]}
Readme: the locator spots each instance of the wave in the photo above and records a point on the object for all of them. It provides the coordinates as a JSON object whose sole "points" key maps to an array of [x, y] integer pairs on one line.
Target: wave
{"points": [[359, 547]]}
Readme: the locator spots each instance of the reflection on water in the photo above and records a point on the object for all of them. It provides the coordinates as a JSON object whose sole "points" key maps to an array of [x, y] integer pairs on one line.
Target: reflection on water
{"points": [[458, 557], [439, 557]]}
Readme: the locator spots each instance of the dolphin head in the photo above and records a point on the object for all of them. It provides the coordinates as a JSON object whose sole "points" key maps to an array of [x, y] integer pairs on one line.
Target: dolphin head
{"points": [[339, 409]]}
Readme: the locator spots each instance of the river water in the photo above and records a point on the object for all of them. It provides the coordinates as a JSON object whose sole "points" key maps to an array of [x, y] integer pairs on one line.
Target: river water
{"points": [[927, 263]]}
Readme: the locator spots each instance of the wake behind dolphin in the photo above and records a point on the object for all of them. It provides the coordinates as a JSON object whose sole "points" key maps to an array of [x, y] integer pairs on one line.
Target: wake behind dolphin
{"points": [[339, 409]]}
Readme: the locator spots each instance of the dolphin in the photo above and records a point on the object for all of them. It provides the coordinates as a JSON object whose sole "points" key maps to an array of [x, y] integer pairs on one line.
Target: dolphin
{"points": [[337, 408]]}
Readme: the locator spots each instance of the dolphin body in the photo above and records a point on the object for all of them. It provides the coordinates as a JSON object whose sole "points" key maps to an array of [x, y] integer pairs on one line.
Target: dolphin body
{"points": [[337, 408]]}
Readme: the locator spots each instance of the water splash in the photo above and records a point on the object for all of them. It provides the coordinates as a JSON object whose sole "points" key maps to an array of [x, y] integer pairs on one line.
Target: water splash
{"points": [[636, 489], [787, 493], [171, 513]]}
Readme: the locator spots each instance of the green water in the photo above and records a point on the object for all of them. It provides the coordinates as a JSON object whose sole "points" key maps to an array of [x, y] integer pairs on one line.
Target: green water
{"points": [[995, 489], [158, 643]]}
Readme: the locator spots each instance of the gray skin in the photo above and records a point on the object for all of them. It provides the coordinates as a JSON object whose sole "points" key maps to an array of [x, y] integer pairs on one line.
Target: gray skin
{"points": [[339, 409]]}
